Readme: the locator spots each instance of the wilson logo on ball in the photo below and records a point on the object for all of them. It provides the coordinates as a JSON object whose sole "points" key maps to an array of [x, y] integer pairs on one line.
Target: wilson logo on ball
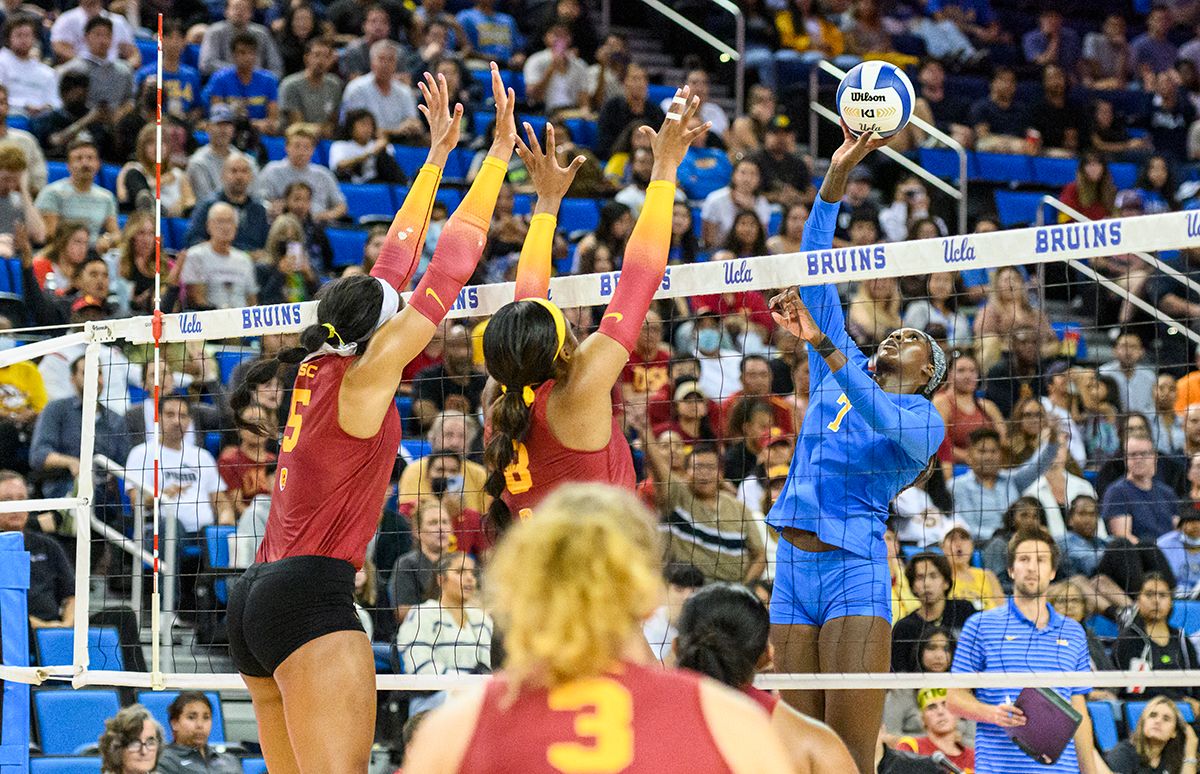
{"points": [[875, 97]]}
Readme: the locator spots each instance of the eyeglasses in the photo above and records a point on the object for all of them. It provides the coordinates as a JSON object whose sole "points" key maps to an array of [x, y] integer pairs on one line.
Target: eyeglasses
{"points": [[139, 745]]}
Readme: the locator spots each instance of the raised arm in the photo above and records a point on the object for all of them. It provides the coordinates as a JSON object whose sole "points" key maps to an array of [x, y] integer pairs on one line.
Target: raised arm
{"points": [[551, 181], [406, 238]]}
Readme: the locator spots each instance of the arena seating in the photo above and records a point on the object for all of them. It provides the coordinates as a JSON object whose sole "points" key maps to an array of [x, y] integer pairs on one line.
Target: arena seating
{"points": [[54, 646], [157, 703], [68, 721]]}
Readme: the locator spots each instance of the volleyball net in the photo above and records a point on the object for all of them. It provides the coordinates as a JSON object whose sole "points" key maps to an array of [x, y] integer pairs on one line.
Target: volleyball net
{"points": [[712, 375]]}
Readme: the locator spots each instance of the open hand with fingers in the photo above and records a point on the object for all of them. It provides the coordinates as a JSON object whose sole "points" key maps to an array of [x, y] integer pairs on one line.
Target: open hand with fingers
{"points": [[855, 149], [551, 180], [444, 124], [792, 315], [671, 142], [506, 122]]}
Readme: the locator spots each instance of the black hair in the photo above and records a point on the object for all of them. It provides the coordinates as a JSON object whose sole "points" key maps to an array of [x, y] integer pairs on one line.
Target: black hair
{"points": [[346, 129], [610, 213], [178, 397], [983, 434], [1039, 534], [683, 574], [243, 39], [939, 562], [172, 26], [73, 79], [703, 447], [723, 631], [350, 304], [97, 21], [742, 412], [519, 347], [750, 357], [1077, 502], [928, 636], [1009, 520], [734, 245], [176, 707], [89, 258]]}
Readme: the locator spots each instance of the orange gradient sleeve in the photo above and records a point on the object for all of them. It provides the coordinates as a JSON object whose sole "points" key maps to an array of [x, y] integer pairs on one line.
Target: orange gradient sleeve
{"points": [[402, 248], [533, 268]]}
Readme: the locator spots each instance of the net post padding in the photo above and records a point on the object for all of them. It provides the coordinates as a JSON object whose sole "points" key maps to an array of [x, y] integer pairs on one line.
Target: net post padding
{"points": [[83, 513], [14, 622]]}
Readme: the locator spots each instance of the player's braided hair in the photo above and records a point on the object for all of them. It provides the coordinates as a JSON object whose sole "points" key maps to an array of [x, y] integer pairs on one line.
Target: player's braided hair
{"points": [[351, 305]]}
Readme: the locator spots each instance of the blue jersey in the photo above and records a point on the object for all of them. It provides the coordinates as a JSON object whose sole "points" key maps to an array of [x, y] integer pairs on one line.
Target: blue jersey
{"points": [[255, 97], [859, 446], [183, 85]]}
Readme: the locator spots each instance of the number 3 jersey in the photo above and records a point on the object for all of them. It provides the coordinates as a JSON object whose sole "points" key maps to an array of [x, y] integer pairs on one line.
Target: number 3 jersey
{"points": [[542, 463], [636, 720], [329, 486]]}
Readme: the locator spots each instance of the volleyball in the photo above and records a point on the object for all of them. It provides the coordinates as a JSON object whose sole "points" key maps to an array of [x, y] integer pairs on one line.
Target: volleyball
{"points": [[875, 97]]}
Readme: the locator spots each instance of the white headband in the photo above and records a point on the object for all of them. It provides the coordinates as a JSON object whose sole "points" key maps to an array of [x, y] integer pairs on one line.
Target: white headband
{"points": [[387, 310]]}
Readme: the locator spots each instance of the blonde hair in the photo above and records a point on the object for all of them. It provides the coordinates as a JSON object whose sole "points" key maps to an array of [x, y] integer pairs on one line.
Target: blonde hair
{"points": [[1171, 757], [121, 730], [286, 228], [571, 585], [133, 225], [1057, 592], [12, 158], [307, 131]]}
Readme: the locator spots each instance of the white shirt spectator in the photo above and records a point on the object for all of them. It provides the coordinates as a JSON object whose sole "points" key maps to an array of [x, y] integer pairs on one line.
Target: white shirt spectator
{"points": [[718, 207], [1137, 391], [229, 278], [31, 84], [921, 521], [563, 90], [191, 468], [432, 643], [1074, 434], [278, 175], [1056, 518], [251, 527], [390, 110], [920, 313], [68, 28], [115, 369], [708, 112]]}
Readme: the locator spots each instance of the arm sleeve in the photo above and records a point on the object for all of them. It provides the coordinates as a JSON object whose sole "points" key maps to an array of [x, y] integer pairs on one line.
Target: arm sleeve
{"points": [[643, 267], [533, 268], [919, 431], [1035, 466], [401, 250], [461, 244], [822, 300]]}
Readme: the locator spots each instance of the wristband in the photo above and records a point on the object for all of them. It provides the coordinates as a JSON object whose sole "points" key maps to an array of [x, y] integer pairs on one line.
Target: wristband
{"points": [[825, 347]]}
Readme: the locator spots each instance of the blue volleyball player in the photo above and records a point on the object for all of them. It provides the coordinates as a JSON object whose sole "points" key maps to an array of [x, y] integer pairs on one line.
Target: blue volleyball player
{"points": [[865, 438]]}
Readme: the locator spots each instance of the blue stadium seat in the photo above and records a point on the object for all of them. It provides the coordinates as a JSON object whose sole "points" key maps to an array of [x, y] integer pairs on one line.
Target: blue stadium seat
{"points": [[775, 223], [321, 152], [1003, 168], [18, 121], [583, 131], [657, 92], [229, 359], [1017, 207], [410, 158], [191, 55], [368, 199], [1053, 172], [1104, 725], [71, 765], [70, 720], [108, 176], [16, 282], [404, 406], [383, 658], [943, 162], [512, 79], [274, 146], [254, 766], [522, 204], [482, 119], [416, 447], [347, 244], [579, 215], [157, 703], [174, 231], [55, 646], [216, 544], [1102, 627], [56, 170], [1124, 174], [458, 164], [1134, 710], [148, 48], [1186, 615]]}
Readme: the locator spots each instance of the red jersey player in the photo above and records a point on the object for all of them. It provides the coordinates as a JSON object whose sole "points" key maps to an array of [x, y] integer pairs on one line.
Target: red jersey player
{"points": [[294, 635], [554, 421], [570, 698]]}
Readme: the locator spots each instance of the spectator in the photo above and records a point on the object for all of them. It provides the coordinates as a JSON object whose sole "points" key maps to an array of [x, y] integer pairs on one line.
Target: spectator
{"points": [[868, 35], [754, 377], [1109, 134], [706, 526], [660, 629], [607, 76], [1135, 381], [786, 177], [1150, 644], [1060, 402], [721, 207], [31, 85], [218, 50], [237, 176], [791, 230], [973, 18], [51, 595], [355, 59], [217, 274], [1016, 638], [1073, 600], [385, 96], [1025, 513], [290, 278], [632, 105], [132, 742], [136, 181], [705, 167], [69, 32], [633, 196], [857, 203], [940, 307], [56, 129], [312, 95], [910, 203], [1172, 471], [451, 385], [804, 30], [1151, 52], [1107, 58], [297, 28], [874, 310], [450, 433], [1139, 507], [190, 716], [433, 12], [24, 397], [963, 411], [180, 82], [77, 197], [698, 82], [360, 154], [613, 230], [54, 447], [1163, 741], [1009, 311], [1170, 116], [941, 731], [493, 34], [985, 492], [448, 634], [1052, 43], [941, 107], [1001, 122], [204, 166], [252, 92], [1058, 117], [414, 573], [761, 488], [749, 432], [348, 16], [1167, 426], [297, 202], [329, 203], [243, 467], [1092, 192], [1082, 547], [1181, 546], [555, 78], [935, 651], [930, 577], [1056, 489], [16, 204]]}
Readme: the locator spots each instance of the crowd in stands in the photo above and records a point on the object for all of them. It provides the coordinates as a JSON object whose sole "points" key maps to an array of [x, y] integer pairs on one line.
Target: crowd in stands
{"points": [[277, 118]]}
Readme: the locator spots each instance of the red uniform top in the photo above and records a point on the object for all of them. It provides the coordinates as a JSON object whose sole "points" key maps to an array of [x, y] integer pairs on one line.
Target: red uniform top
{"points": [[637, 721], [762, 698], [751, 304], [542, 463], [647, 375], [782, 416], [329, 486], [923, 745]]}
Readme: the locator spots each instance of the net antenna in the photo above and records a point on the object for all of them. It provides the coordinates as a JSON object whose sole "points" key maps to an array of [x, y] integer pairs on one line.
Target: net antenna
{"points": [[156, 678]]}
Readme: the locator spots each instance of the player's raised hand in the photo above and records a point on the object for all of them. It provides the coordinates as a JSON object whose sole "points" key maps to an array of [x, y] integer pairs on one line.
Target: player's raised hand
{"points": [[506, 122], [673, 138], [444, 123], [792, 315], [550, 179], [855, 149]]}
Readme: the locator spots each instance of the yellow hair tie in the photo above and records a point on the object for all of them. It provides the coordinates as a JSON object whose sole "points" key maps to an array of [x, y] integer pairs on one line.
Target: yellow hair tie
{"points": [[560, 322], [527, 394], [333, 332]]}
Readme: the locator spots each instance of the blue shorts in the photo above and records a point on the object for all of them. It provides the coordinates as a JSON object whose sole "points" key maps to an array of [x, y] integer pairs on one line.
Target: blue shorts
{"points": [[812, 588]]}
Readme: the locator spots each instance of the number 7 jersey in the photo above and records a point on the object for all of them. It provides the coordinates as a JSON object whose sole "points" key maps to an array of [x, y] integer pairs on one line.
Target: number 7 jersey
{"points": [[329, 486]]}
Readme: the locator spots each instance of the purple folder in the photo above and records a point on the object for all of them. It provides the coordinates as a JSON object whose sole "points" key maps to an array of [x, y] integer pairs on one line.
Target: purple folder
{"points": [[1050, 723]]}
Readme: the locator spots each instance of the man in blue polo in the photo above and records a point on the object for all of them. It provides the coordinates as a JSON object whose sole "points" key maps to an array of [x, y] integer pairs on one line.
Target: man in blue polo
{"points": [[1025, 635]]}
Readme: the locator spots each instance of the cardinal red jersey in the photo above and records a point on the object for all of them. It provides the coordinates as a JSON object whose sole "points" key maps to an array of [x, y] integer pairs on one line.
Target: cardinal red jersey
{"points": [[329, 486], [647, 375], [768, 701], [923, 745], [542, 463], [636, 720]]}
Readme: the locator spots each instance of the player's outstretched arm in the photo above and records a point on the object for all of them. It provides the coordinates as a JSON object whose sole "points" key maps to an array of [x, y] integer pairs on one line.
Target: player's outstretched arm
{"points": [[441, 741], [405, 239], [551, 180]]}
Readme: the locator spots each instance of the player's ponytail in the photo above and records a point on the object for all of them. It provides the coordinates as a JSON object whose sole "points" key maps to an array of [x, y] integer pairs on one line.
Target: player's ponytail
{"points": [[723, 631], [348, 312], [520, 346]]}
